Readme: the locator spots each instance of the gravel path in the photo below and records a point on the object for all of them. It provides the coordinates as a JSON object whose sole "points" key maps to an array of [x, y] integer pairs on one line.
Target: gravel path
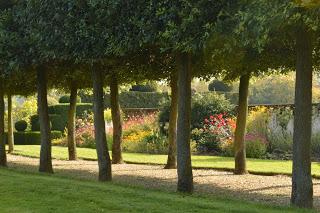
{"points": [[267, 189]]}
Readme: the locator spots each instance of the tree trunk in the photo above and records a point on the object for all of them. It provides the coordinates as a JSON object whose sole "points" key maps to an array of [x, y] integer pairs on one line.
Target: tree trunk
{"points": [[116, 121], [302, 189], [172, 149], [184, 168], [45, 151], [3, 155], [10, 125], [104, 161], [239, 139], [72, 148]]}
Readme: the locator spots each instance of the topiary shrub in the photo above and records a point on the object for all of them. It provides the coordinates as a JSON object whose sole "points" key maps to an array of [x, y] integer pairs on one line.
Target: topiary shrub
{"points": [[35, 124], [66, 99], [149, 87], [21, 125], [33, 138], [219, 86]]}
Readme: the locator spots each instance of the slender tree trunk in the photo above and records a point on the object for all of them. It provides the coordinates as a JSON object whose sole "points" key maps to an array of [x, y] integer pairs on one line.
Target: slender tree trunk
{"points": [[302, 189], [104, 161], [10, 125], [72, 149], [184, 168], [239, 139], [45, 151], [172, 149], [116, 121], [3, 155]]}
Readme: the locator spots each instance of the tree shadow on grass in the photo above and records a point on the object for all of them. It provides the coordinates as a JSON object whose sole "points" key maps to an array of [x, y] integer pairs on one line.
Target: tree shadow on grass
{"points": [[155, 177]]}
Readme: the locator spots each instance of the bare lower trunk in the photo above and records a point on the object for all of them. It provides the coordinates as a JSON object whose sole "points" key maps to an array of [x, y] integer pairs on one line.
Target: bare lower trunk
{"points": [[239, 139], [302, 189], [72, 150], [10, 125], [3, 155], [104, 161], [184, 168], [172, 148], [116, 121], [45, 151]]}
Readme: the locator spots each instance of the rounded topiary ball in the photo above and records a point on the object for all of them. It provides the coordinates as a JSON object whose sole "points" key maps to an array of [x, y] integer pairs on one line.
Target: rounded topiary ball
{"points": [[66, 99], [21, 126], [219, 86]]}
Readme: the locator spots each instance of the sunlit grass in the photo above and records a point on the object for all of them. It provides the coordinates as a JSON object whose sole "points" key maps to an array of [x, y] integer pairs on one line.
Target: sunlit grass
{"points": [[254, 165]]}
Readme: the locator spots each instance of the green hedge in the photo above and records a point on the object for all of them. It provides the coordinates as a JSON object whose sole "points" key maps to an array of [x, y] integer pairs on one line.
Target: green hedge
{"points": [[59, 116], [32, 138], [66, 99], [143, 99], [62, 109], [133, 99], [56, 122]]}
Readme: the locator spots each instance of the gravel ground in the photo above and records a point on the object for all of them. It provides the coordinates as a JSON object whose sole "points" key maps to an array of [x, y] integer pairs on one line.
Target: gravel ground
{"points": [[266, 189]]}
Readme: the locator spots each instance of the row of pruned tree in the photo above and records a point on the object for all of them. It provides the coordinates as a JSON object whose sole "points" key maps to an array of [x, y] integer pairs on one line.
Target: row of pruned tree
{"points": [[79, 44]]}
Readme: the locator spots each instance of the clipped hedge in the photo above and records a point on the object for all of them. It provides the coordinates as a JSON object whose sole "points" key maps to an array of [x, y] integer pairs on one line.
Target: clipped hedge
{"points": [[62, 109], [143, 99], [134, 99], [32, 137], [66, 99], [58, 115], [35, 124], [150, 87]]}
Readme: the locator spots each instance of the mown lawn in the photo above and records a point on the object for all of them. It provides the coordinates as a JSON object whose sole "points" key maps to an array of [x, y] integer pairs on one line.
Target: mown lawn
{"points": [[26, 192], [254, 165]]}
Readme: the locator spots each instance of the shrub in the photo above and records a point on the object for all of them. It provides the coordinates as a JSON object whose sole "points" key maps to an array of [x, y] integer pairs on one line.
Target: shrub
{"points": [[220, 86], [151, 142], [206, 104], [216, 129], [84, 134], [149, 87], [21, 126], [107, 115], [203, 105], [32, 138], [66, 99], [26, 110], [256, 146], [141, 134], [257, 121]]}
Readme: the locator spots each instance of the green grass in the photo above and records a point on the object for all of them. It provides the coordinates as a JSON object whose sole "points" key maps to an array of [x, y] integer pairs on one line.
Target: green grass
{"points": [[254, 165], [26, 192]]}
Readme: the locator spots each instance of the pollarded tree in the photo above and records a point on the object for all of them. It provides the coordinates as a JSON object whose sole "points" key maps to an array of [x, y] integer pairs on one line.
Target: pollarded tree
{"points": [[10, 47], [70, 78], [94, 39], [295, 28], [145, 64], [182, 30]]}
